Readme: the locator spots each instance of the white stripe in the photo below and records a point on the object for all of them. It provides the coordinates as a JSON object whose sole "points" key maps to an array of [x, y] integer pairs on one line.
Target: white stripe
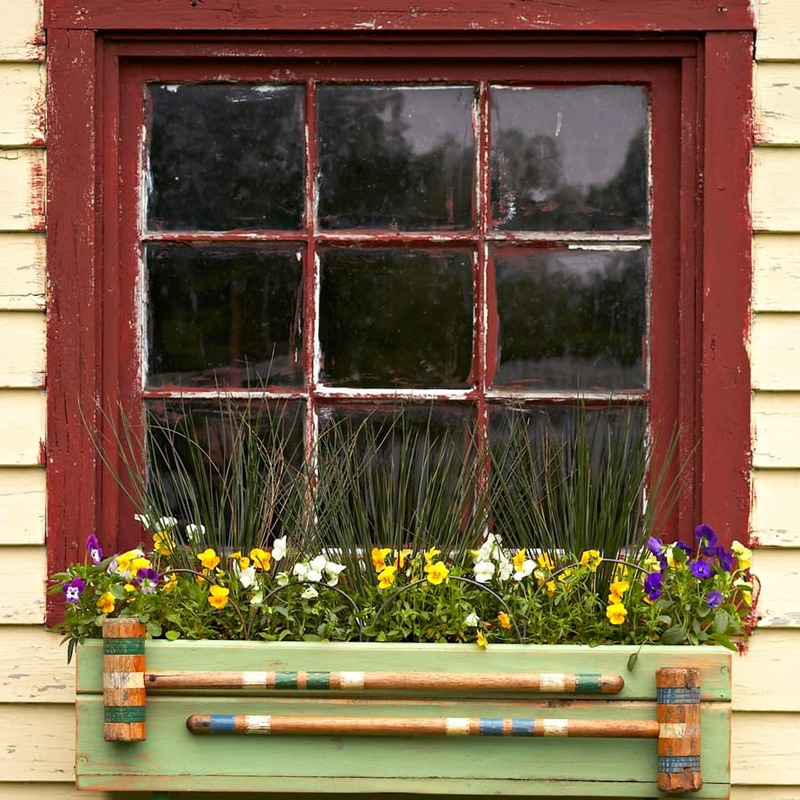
{"points": [[556, 727], [123, 680], [253, 724], [254, 679], [457, 726], [351, 680], [552, 682], [672, 730]]}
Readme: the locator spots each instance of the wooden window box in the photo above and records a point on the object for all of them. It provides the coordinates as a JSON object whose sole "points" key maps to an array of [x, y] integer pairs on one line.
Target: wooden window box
{"points": [[172, 759]]}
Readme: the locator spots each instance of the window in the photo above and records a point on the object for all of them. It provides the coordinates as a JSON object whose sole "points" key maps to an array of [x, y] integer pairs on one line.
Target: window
{"points": [[348, 219]]}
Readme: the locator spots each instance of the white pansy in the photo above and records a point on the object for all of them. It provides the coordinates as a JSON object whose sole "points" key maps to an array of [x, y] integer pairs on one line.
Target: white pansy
{"points": [[143, 520], [528, 565], [165, 523], [483, 571], [472, 620], [247, 576], [309, 593], [333, 571], [257, 599], [300, 571], [504, 568], [282, 579], [279, 548], [192, 531]]}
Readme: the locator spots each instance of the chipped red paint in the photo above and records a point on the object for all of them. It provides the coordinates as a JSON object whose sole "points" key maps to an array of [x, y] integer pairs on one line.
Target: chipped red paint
{"points": [[89, 349], [37, 190]]}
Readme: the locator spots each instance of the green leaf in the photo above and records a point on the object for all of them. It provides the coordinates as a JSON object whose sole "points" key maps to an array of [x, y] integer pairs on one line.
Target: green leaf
{"points": [[674, 635], [722, 620], [172, 635]]}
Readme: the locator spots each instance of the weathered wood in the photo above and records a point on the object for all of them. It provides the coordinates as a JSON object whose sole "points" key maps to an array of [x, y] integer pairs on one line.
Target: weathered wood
{"points": [[778, 31], [22, 568], [22, 505], [36, 743], [778, 571], [776, 418], [21, 36], [775, 343], [124, 695], [776, 206], [22, 198], [33, 668], [22, 101], [22, 349], [776, 276], [678, 714], [22, 427], [777, 104], [761, 675], [22, 271]]}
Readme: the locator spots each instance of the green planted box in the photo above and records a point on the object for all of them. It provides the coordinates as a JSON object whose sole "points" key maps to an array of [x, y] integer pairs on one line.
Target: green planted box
{"points": [[419, 719]]}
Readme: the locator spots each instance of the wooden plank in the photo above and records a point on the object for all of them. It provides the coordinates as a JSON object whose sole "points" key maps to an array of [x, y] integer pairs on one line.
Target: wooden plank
{"points": [[776, 419], [498, 765], [765, 792], [21, 34], [37, 742], [764, 749], [775, 521], [776, 277], [22, 349], [22, 427], [776, 204], [778, 570], [33, 668], [761, 676], [58, 791], [774, 343], [367, 15], [778, 30], [23, 568], [777, 103], [22, 101], [22, 271], [22, 505], [370, 656], [22, 198]]}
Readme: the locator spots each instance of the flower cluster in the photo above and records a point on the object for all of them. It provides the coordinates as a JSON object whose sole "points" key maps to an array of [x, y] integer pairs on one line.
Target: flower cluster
{"points": [[181, 587]]}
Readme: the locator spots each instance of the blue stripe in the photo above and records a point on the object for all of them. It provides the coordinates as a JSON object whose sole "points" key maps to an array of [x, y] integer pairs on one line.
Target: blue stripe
{"points": [[678, 763], [673, 696], [489, 726], [222, 723], [522, 727]]}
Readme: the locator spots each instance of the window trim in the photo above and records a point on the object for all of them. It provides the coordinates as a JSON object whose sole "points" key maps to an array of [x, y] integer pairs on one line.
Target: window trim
{"points": [[84, 53]]}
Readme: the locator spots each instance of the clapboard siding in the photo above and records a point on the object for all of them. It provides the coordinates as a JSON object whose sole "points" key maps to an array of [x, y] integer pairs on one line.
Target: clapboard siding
{"points": [[776, 272], [22, 427], [22, 571], [776, 203], [22, 199], [22, 101], [22, 506], [775, 342], [776, 421], [36, 669], [778, 571], [775, 522], [21, 37], [778, 30], [22, 349]]}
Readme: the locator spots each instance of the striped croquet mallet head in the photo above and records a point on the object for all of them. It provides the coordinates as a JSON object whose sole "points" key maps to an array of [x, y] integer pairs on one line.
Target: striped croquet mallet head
{"points": [[124, 695], [678, 714]]}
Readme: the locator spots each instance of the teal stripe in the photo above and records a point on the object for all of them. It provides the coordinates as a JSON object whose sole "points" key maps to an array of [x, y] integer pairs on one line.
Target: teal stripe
{"points": [[318, 680], [489, 726], [674, 764], [677, 696], [285, 680], [124, 714], [123, 647], [587, 683], [522, 727]]}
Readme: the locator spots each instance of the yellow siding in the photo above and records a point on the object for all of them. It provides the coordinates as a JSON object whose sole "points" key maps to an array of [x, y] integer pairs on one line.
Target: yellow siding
{"points": [[20, 34], [21, 95], [776, 203], [22, 349], [774, 520], [22, 427], [778, 36], [776, 272], [22, 506], [775, 342], [22, 198], [24, 569]]}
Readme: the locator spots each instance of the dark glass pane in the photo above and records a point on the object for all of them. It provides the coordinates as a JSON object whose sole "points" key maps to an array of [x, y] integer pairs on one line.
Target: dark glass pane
{"points": [[570, 159], [225, 156], [572, 319], [223, 315], [234, 467], [393, 477], [395, 157], [396, 318]]}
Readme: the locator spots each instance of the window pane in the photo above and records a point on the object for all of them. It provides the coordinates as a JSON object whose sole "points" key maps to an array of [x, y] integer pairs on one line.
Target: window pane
{"points": [[396, 318], [395, 157], [571, 319], [225, 156], [223, 315], [570, 159]]}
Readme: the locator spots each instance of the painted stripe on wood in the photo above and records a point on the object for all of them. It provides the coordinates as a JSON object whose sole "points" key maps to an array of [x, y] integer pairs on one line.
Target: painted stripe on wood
{"points": [[22, 199], [22, 353], [21, 35], [775, 521], [22, 426], [23, 571], [22, 505], [22, 100], [776, 273], [776, 420], [774, 344], [778, 30], [775, 201]]}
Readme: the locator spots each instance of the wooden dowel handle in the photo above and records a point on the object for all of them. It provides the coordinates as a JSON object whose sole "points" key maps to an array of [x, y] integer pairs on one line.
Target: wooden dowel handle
{"points": [[678, 712], [124, 695]]}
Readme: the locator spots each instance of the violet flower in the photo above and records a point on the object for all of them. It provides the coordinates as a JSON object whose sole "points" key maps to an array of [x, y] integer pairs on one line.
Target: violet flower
{"points": [[652, 585], [93, 549], [713, 598], [73, 589], [148, 579], [700, 569]]}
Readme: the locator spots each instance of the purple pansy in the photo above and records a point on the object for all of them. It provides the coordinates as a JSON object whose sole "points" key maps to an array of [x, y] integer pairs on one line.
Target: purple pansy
{"points": [[705, 532], [683, 546], [700, 568], [655, 546], [713, 598], [148, 579], [93, 549], [73, 589], [724, 557], [652, 585]]}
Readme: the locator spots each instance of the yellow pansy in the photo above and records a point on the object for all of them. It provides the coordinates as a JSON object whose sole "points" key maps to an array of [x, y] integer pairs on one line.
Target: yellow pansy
{"points": [[437, 572], [106, 603], [163, 543], [261, 559], [208, 558], [545, 562], [616, 590], [430, 555], [743, 554], [616, 613], [379, 557], [218, 596], [550, 588], [169, 584], [481, 640], [519, 560], [504, 619], [386, 577], [400, 558], [591, 559]]}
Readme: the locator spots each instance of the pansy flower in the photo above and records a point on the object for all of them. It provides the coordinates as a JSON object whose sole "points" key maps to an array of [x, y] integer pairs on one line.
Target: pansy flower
{"points": [[147, 578], [73, 590], [700, 569], [93, 549], [713, 598], [652, 585], [218, 596], [106, 603]]}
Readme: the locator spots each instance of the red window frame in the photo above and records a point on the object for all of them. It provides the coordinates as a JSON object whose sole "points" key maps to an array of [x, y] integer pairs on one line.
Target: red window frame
{"points": [[92, 337]]}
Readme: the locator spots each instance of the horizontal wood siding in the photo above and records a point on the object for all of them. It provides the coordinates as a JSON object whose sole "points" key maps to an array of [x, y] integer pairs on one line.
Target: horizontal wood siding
{"points": [[22, 505], [21, 98], [21, 35], [776, 272], [778, 30]]}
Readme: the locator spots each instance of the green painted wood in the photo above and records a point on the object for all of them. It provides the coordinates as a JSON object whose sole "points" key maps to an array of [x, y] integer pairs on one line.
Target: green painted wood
{"points": [[173, 760]]}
